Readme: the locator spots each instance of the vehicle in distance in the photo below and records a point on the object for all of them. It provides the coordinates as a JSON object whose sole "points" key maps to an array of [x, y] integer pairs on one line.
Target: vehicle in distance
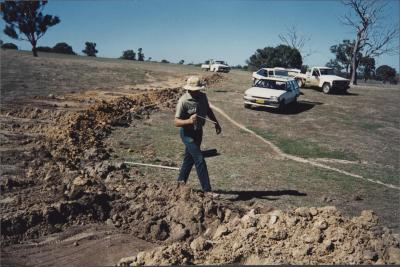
{"points": [[215, 66], [322, 77], [269, 72], [272, 92]]}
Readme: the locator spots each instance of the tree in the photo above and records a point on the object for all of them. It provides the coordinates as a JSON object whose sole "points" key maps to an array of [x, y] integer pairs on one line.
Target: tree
{"points": [[27, 17], [140, 54], [367, 65], [63, 48], [335, 65], [343, 54], [90, 49], [164, 61], [149, 59], [280, 56], [129, 55], [9, 46], [385, 73], [181, 61], [373, 38], [295, 40]]}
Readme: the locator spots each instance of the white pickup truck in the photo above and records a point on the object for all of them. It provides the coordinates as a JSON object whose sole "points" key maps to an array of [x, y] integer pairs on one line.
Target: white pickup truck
{"points": [[322, 77], [215, 66]]}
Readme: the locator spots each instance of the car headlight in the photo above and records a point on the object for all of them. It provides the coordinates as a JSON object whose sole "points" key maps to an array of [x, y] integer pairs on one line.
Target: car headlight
{"points": [[275, 99]]}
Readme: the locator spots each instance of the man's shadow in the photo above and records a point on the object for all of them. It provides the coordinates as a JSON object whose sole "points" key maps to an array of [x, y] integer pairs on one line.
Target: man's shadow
{"points": [[269, 195]]}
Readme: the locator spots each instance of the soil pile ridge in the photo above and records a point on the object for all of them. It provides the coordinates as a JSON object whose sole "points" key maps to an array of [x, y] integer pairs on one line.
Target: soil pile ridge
{"points": [[302, 236]]}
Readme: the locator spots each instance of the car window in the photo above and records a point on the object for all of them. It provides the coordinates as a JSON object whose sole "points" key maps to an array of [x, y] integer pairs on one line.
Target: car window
{"points": [[266, 84], [270, 73], [315, 73], [270, 84], [327, 72], [261, 72], [281, 72]]}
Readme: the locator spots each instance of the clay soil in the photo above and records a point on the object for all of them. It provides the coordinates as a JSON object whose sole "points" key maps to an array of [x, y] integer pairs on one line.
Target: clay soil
{"points": [[68, 198]]}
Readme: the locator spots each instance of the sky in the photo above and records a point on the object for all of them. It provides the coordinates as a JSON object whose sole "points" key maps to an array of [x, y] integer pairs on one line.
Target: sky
{"points": [[195, 31]]}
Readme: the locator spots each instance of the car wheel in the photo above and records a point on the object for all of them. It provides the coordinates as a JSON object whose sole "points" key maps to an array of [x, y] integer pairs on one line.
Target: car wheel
{"points": [[300, 83], [247, 106], [326, 88]]}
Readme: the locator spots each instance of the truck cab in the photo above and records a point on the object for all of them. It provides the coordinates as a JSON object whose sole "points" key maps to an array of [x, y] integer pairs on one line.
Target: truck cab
{"points": [[215, 66]]}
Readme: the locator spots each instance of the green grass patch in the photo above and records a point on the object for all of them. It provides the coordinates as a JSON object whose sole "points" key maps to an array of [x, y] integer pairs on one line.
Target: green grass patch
{"points": [[303, 147], [366, 125], [372, 126]]}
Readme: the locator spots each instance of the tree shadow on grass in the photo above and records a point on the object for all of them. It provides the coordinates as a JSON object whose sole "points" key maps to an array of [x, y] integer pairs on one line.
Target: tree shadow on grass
{"points": [[268, 195]]}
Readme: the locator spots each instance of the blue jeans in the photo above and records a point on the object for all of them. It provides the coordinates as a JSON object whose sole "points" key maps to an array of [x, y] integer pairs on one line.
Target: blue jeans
{"points": [[192, 141]]}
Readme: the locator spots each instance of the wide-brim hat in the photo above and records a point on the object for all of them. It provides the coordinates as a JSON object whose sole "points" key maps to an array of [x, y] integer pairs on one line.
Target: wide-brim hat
{"points": [[193, 83]]}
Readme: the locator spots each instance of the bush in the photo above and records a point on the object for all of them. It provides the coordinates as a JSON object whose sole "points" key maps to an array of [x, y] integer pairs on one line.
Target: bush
{"points": [[90, 49], [9, 46], [128, 55], [386, 73], [44, 49], [164, 61], [63, 48], [140, 54]]}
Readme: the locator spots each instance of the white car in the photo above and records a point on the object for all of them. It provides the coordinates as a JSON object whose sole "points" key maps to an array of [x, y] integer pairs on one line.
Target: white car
{"points": [[269, 72], [273, 92]]}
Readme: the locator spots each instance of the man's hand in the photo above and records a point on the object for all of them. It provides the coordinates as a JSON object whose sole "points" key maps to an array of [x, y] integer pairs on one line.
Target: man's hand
{"points": [[218, 128], [193, 119]]}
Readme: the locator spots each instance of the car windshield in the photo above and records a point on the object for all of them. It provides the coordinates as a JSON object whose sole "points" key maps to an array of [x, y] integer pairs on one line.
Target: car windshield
{"points": [[220, 62], [281, 72], [277, 85], [326, 71]]}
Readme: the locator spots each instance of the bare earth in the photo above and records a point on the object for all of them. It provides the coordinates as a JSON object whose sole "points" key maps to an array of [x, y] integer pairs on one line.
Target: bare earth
{"points": [[68, 123]]}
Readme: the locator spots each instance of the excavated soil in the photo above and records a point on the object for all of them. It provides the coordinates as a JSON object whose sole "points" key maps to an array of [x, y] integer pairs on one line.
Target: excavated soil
{"points": [[303, 236], [58, 174]]}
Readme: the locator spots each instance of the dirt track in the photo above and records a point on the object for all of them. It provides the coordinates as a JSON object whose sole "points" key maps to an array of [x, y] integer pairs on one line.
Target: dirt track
{"points": [[63, 193]]}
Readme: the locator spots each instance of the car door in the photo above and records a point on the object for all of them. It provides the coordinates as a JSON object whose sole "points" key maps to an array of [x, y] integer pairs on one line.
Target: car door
{"points": [[296, 88], [290, 94], [313, 79]]}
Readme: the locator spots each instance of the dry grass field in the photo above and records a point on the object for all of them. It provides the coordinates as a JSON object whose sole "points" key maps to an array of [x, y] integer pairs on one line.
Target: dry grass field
{"points": [[57, 125]]}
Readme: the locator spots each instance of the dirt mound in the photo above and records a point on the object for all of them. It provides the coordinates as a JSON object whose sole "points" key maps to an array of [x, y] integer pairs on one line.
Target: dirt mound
{"points": [[67, 165], [213, 78], [303, 236], [165, 211]]}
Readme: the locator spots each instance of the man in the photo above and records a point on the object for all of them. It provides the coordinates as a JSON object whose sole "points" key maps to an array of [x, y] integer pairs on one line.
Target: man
{"points": [[190, 108]]}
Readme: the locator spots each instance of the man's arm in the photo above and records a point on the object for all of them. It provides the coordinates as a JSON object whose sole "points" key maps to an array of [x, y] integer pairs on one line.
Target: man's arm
{"points": [[190, 121], [211, 115]]}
